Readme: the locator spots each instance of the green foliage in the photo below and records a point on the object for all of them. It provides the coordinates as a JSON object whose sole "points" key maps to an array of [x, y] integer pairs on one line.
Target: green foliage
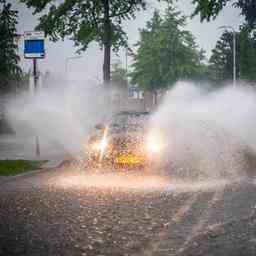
{"points": [[14, 167], [118, 75], [85, 21], [10, 71], [221, 61], [248, 54], [166, 53], [208, 9]]}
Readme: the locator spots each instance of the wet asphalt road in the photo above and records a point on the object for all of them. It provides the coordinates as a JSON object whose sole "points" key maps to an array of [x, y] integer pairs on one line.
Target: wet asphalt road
{"points": [[64, 212]]}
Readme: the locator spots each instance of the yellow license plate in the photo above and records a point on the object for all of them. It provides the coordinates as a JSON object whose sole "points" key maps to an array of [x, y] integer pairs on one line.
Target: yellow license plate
{"points": [[128, 159]]}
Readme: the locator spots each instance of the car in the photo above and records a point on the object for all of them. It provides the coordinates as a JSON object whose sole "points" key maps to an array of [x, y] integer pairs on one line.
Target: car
{"points": [[121, 142]]}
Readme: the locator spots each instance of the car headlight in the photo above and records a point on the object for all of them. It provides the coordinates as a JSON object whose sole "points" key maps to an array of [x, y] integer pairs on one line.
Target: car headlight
{"points": [[154, 145], [101, 145]]}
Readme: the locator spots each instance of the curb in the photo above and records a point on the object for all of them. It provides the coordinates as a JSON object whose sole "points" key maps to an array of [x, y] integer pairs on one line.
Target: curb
{"points": [[7, 179]]}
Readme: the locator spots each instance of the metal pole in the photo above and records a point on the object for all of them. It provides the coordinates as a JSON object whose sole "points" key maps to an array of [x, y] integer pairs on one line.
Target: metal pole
{"points": [[126, 60], [234, 52], [126, 66], [35, 75], [234, 57]]}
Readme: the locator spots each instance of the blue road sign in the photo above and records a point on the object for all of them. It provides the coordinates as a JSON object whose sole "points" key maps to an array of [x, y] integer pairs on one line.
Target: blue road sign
{"points": [[34, 49], [34, 44]]}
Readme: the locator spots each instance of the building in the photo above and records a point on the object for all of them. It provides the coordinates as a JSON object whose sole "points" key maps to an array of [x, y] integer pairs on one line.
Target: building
{"points": [[134, 99]]}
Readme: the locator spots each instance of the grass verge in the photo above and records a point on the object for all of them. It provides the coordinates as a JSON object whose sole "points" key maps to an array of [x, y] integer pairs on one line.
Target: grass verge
{"points": [[14, 167]]}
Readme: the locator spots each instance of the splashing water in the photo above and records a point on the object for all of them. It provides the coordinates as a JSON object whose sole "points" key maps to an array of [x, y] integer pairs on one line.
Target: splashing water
{"points": [[208, 133], [63, 114], [132, 181]]}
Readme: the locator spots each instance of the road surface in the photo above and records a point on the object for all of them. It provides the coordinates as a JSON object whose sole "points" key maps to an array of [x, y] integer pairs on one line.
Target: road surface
{"points": [[24, 147], [65, 212]]}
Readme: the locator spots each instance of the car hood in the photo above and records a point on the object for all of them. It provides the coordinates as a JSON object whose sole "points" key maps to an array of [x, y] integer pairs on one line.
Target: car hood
{"points": [[127, 139]]}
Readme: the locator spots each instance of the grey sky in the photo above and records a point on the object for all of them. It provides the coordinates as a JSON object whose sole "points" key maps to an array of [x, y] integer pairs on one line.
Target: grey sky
{"points": [[90, 65]]}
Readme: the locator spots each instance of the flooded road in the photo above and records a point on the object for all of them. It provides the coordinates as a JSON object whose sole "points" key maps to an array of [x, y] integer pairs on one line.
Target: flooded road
{"points": [[66, 212]]}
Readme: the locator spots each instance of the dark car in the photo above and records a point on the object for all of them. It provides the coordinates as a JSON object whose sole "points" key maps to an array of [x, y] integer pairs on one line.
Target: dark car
{"points": [[120, 142]]}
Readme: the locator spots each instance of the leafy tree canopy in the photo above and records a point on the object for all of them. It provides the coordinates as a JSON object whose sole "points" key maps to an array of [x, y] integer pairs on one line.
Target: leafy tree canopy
{"points": [[9, 59], [85, 21], [208, 9], [166, 52], [247, 60], [221, 61]]}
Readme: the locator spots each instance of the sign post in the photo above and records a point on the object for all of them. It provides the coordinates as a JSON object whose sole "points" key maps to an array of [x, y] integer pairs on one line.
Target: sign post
{"points": [[34, 49]]}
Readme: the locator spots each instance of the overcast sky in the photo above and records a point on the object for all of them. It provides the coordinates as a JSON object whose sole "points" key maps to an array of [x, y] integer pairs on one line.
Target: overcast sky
{"points": [[90, 65]]}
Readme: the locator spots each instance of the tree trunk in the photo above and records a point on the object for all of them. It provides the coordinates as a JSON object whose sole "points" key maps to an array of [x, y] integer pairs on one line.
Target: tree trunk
{"points": [[155, 98], [107, 43], [106, 64]]}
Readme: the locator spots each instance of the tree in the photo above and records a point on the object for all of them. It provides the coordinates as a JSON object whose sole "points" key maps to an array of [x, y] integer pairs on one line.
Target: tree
{"points": [[165, 53], [221, 61], [247, 54], [208, 9], [119, 75], [85, 21], [10, 72]]}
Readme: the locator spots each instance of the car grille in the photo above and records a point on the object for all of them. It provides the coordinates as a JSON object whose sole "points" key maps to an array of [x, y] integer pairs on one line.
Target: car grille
{"points": [[127, 143]]}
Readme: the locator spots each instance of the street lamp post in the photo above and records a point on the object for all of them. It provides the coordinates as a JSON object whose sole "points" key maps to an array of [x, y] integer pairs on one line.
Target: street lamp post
{"points": [[234, 51]]}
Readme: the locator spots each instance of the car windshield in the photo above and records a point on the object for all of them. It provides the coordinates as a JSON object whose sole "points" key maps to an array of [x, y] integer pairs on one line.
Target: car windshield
{"points": [[128, 122]]}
